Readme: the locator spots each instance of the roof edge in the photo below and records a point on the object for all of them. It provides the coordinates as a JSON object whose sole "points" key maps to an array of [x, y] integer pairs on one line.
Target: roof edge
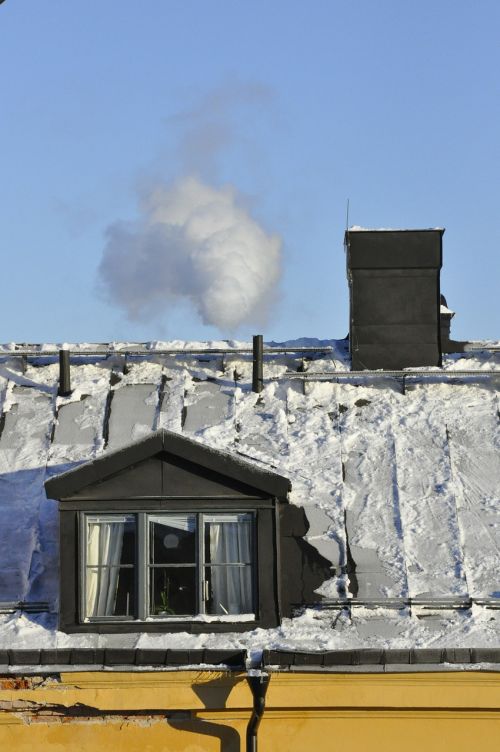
{"points": [[110, 657], [339, 659], [364, 659]]}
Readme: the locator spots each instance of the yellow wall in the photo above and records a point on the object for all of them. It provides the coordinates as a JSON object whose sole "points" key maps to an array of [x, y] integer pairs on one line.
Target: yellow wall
{"points": [[190, 711]]}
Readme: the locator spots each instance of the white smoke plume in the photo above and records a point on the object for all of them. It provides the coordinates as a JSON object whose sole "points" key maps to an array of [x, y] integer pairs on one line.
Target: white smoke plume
{"points": [[197, 243]]}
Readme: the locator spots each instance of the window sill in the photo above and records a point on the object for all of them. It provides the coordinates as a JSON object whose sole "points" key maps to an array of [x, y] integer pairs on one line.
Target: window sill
{"points": [[202, 618], [199, 619]]}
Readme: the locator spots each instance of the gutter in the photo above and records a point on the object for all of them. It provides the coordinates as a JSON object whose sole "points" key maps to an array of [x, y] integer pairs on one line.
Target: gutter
{"points": [[258, 683], [59, 660]]}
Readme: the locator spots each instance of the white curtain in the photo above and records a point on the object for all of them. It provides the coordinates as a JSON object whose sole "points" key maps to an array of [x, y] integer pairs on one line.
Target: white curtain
{"points": [[104, 548], [230, 541]]}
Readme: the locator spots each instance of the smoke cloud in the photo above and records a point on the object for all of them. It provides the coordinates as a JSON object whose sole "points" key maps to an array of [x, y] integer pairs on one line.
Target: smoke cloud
{"points": [[197, 243]]}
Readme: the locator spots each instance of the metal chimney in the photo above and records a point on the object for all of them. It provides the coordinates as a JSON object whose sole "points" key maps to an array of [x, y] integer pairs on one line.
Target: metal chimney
{"points": [[394, 292]]}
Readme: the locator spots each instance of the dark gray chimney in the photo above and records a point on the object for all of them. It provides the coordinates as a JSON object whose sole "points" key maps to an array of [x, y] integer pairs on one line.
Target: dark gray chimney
{"points": [[394, 298]]}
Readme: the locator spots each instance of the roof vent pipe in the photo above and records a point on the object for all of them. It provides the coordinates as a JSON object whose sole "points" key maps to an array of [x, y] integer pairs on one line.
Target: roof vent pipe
{"points": [[258, 368], [259, 682], [64, 374]]}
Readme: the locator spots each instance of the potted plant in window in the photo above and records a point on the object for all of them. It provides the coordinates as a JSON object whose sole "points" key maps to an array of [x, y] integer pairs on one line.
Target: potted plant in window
{"points": [[163, 608]]}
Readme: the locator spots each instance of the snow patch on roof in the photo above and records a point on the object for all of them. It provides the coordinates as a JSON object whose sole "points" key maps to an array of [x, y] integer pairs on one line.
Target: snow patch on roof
{"points": [[358, 228]]}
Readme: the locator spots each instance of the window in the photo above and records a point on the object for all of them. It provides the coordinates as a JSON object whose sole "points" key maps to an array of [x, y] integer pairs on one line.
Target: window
{"points": [[168, 566], [166, 534]]}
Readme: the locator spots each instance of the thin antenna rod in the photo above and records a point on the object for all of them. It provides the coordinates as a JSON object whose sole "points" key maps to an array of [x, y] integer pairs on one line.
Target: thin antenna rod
{"points": [[347, 216]]}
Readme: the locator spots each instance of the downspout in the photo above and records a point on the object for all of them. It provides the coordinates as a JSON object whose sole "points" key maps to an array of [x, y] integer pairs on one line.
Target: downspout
{"points": [[258, 683]]}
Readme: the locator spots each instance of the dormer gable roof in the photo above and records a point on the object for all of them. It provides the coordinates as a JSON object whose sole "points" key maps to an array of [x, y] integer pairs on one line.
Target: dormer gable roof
{"points": [[175, 446]]}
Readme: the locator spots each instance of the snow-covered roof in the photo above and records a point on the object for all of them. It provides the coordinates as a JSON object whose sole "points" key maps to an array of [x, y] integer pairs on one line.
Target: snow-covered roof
{"points": [[400, 484]]}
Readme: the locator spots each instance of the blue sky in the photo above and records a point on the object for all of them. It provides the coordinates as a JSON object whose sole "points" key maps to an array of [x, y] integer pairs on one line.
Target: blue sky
{"points": [[392, 104]]}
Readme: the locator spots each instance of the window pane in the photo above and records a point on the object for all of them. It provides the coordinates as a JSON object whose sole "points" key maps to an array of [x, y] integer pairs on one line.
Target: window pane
{"points": [[109, 586], [110, 591], [173, 591], [230, 590], [111, 540], [228, 539], [172, 539]]}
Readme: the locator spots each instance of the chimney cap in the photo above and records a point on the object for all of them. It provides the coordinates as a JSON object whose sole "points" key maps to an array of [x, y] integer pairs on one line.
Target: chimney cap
{"points": [[358, 228]]}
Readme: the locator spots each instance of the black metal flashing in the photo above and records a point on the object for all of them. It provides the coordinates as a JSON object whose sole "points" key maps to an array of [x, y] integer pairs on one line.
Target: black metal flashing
{"points": [[233, 659], [290, 659], [110, 463]]}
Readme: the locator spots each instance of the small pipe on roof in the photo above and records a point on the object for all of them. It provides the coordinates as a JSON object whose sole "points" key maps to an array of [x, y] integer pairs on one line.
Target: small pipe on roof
{"points": [[64, 374], [258, 369], [258, 683]]}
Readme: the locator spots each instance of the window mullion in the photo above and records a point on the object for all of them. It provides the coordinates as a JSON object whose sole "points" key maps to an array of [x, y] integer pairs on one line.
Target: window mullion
{"points": [[201, 563], [142, 565]]}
